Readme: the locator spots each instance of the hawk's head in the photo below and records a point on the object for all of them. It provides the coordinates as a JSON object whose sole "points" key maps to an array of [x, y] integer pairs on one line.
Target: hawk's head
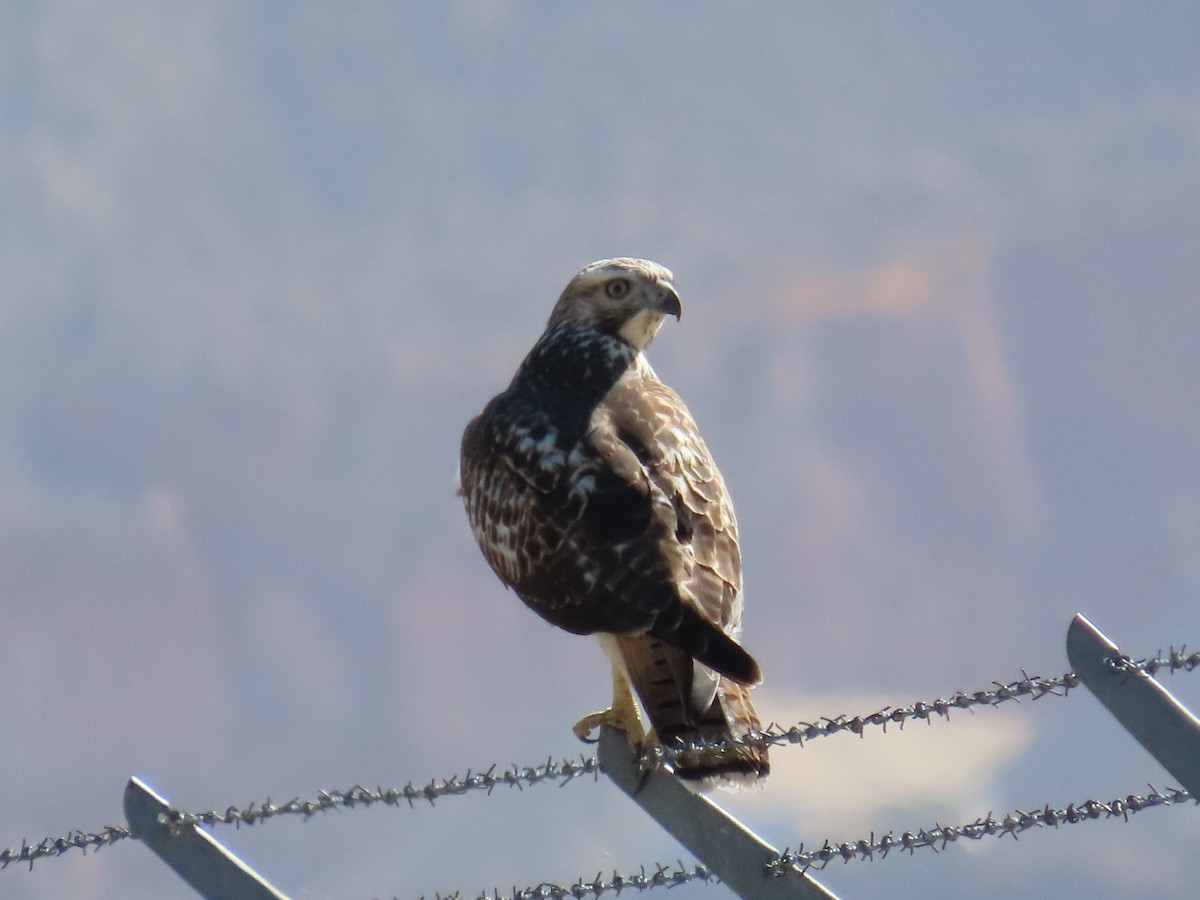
{"points": [[627, 298]]}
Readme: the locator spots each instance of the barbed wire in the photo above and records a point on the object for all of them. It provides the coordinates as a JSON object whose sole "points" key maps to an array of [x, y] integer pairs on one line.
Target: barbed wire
{"points": [[1175, 661], [938, 837], [567, 770], [488, 780], [57, 846], [518, 777], [791, 862], [1027, 686], [647, 878], [1032, 687]]}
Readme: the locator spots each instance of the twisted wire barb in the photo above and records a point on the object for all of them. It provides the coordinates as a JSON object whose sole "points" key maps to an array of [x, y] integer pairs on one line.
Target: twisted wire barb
{"points": [[646, 879], [518, 777], [938, 837], [1027, 686], [798, 861], [1033, 687], [1175, 661], [567, 771], [51, 846]]}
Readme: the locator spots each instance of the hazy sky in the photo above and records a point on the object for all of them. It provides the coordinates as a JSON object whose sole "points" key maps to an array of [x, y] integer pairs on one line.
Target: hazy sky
{"points": [[261, 263]]}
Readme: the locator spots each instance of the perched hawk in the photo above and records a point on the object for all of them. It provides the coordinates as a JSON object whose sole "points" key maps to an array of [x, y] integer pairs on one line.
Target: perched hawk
{"points": [[593, 496]]}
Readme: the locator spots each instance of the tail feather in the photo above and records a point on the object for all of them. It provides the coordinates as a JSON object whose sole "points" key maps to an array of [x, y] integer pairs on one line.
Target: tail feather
{"points": [[705, 641], [662, 676]]}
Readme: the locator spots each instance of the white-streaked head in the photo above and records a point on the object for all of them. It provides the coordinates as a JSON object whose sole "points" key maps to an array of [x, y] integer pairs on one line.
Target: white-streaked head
{"points": [[625, 297]]}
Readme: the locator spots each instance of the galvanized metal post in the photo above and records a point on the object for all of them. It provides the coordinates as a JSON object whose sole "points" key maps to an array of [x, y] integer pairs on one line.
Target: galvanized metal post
{"points": [[195, 855], [1149, 712], [727, 847]]}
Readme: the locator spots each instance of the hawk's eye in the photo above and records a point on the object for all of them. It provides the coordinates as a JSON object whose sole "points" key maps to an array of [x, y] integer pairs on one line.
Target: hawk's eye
{"points": [[617, 288]]}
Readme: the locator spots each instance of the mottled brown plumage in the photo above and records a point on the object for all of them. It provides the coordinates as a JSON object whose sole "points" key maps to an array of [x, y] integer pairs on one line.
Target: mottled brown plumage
{"points": [[593, 496]]}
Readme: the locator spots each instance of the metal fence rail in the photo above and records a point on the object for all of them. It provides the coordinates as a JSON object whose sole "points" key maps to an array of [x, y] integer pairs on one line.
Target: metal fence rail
{"points": [[1145, 708], [727, 848], [196, 856]]}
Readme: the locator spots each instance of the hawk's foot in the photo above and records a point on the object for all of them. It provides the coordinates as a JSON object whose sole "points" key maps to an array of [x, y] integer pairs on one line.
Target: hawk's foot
{"points": [[625, 720], [623, 715]]}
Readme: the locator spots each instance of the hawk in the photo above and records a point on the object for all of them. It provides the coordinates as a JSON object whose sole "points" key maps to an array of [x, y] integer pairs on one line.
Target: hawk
{"points": [[593, 496]]}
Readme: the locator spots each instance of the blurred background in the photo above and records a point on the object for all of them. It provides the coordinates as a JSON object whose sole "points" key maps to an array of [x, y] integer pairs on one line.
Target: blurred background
{"points": [[260, 263]]}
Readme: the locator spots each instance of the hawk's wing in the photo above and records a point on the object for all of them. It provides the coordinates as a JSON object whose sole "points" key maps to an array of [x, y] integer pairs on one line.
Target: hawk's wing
{"points": [[610, 519], [689, 497], [690, 500], [559, 523]]}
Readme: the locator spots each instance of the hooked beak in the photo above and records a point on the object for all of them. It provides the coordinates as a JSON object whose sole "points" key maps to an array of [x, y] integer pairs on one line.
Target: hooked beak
{"points": [[668, 300]]}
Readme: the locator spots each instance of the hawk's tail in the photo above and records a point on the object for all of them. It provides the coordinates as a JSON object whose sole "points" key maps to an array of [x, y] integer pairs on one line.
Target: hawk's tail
{"points": [[730, 717], [662, 676]]}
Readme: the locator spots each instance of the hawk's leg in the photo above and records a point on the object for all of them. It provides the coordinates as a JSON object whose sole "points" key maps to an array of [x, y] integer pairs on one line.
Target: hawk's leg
{"points": [[622, 715]]}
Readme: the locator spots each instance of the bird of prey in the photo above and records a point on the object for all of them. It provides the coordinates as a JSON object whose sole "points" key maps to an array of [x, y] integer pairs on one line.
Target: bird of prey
{"points": [[593, 496]]}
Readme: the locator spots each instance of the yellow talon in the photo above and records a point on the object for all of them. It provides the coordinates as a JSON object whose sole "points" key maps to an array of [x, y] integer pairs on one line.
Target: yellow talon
{"points": [[623, 715]]}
